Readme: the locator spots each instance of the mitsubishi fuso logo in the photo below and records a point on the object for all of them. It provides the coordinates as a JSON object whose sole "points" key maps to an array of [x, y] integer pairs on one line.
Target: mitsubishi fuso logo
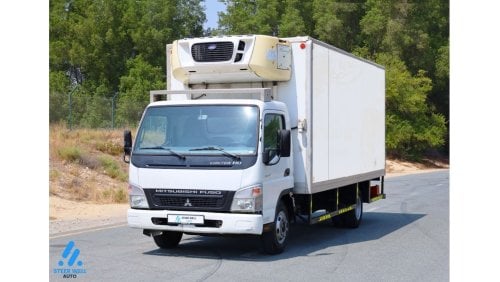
{"points": [[188, 203]]}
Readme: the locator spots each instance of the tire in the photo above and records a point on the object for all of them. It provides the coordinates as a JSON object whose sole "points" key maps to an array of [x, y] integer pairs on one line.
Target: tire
{"points": [[352, 219], [168, 239], [274, 241]]}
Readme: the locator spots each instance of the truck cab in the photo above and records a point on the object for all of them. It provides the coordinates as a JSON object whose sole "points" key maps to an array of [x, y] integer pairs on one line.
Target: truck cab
{"points": [[209, 166]]}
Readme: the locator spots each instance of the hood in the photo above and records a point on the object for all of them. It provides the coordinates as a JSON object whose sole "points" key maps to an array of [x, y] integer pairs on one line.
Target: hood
{"points": [[228, 180]]}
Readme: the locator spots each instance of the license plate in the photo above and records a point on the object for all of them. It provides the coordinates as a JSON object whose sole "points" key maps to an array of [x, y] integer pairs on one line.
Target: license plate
{"points": [[185, 219]]}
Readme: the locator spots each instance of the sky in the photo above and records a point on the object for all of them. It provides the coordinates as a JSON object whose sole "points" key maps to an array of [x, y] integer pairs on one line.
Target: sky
{"points": [[212, 7]]}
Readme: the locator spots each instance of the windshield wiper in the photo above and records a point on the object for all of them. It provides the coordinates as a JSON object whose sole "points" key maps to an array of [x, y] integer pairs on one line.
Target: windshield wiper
{"points": [[180, 156], [213, 148]]}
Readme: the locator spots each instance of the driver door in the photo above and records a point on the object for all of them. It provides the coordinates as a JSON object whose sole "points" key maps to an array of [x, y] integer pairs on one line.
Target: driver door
{"points": [[277, 170]]}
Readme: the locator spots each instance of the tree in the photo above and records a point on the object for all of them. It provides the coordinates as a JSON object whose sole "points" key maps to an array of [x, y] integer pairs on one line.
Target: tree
{"points": [[58, 97], [152, 24], [291, 22], [93, 42], [87, 43], [250, 17], [411, 125], [134, 88], [337, 22]]}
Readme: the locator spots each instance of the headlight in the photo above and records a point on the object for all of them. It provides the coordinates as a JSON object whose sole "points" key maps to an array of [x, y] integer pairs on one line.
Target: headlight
{"points": [[137, 198], [248, 199]]}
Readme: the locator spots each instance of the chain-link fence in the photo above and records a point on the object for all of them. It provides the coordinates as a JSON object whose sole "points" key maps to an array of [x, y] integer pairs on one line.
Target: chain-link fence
{"points": [[80, 110]]}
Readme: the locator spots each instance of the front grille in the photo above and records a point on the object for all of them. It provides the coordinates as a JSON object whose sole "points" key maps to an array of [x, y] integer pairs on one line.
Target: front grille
{"points": [[194, 200], [188, 201], [212, 51]]}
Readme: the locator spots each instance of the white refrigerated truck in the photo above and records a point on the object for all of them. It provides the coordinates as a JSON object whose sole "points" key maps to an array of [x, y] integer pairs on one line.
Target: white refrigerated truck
{"points": [[255, 132]]}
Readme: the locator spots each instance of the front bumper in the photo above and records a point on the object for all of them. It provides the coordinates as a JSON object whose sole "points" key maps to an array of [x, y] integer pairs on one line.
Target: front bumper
{"points": [[231, 223]]}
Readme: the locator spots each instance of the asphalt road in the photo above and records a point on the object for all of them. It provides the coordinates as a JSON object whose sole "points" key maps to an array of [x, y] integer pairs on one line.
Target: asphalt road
{"points": [[402, 238]]}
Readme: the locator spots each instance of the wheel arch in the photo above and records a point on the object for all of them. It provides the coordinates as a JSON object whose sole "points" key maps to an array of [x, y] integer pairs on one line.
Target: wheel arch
{"points": [[288, 202]]}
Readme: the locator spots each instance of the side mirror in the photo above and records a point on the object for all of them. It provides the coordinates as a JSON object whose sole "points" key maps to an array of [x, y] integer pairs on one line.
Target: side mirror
{"points": [[266, 156], [284, 142], [271, 156], [127, 145]]}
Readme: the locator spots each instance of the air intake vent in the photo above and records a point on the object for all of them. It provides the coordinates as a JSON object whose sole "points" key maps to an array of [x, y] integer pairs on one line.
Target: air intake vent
{"points": [[212, 51]]}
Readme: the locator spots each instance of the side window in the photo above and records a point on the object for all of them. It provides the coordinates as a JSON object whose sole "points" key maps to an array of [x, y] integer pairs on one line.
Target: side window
{"points": [[272, 123]]}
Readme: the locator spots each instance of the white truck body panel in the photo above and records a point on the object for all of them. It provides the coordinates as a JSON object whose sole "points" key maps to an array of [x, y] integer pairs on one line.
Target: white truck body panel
{"points": [[341, 98], [294, 94], [348, 118]]}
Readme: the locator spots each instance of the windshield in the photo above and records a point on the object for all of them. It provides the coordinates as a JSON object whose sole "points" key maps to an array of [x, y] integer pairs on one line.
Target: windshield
{"points": [[198, 130]]}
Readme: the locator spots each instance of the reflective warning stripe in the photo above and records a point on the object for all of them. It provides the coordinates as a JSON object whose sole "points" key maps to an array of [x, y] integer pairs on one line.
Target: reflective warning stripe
{"points": [[325, 217], [344, 210], [332, 214], [379, 197]]}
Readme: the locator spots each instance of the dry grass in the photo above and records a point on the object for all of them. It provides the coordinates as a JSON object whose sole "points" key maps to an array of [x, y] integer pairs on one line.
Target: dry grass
{"points": [[86, 165], [53, 174], [109, 148]]}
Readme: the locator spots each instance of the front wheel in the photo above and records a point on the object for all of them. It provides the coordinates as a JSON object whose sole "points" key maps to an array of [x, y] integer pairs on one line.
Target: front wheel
{"points": [[274, 241], [168, 239]]}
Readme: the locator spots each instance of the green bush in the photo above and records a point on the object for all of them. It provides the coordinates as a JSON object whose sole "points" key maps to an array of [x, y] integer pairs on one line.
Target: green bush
{"points": [[112, 169], [71, 154]]}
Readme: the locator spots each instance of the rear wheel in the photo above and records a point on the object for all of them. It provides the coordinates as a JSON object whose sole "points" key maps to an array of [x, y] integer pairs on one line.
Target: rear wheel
{"points": [[168, 239], [274, 241], [352, 218]]}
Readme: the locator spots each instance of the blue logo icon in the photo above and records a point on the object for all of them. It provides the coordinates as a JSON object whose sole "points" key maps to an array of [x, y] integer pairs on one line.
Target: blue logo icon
{"points": [[73, 257], [69, 265]]}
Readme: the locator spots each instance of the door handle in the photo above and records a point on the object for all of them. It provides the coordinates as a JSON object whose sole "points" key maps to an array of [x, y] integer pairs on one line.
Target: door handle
{"points": [[287, 172]]}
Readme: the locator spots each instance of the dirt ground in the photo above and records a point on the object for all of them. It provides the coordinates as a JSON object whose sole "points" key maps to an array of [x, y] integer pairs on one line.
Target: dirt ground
{"points": [[398, 167], [66, 215], [71, 216]]}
